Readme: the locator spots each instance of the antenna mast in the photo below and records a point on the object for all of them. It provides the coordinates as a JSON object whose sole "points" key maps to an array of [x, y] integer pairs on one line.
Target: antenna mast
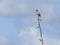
{"points": [[39, 26]]}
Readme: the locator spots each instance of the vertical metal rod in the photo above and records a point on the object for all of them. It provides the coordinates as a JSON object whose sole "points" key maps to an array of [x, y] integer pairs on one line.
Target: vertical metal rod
{"points": [[39, 20]]}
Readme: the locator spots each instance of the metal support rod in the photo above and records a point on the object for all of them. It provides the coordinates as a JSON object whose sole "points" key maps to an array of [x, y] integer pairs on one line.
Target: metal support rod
{"points": [[39, 21]]}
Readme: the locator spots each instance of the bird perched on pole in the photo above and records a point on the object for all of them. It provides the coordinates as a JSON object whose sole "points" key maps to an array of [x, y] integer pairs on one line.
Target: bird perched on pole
{"points": [[38, 13]]}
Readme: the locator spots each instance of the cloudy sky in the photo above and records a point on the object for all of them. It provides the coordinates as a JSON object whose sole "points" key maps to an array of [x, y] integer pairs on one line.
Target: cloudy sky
{"points": [[18, 22]]}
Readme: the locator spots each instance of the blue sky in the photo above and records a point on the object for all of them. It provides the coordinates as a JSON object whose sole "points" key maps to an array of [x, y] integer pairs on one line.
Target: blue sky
{"points": [[18, 22]]}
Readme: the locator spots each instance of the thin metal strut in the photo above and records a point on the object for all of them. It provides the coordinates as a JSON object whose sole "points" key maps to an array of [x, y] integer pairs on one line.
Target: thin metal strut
{"points": [[39, 20]]}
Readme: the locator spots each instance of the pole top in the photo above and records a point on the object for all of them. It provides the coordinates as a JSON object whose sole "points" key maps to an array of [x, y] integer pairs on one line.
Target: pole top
{"points": [[38, 13]]}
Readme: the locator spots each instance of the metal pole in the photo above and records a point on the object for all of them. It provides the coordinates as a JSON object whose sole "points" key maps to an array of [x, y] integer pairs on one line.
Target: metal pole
{"points": [[39, 20]]}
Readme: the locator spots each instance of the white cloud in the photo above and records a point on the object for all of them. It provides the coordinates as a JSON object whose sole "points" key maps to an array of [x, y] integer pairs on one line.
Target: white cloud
{"points": [[51, 41], [30, 36], [3, 41]]}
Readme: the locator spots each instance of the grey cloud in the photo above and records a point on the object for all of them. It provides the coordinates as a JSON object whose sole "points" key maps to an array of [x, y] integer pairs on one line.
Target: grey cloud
{"points": [[12, 7]]}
